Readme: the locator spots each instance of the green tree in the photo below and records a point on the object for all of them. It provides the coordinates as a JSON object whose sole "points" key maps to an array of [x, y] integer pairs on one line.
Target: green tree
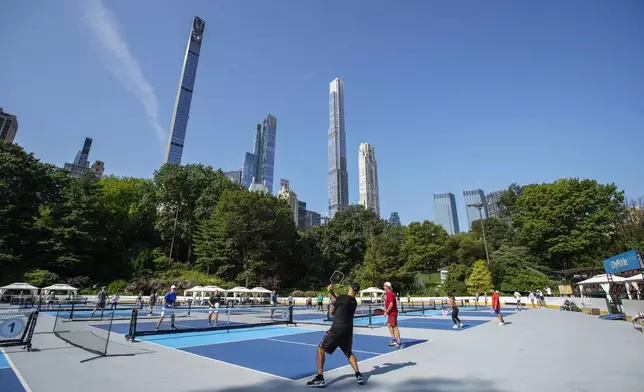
{"points": [[41, 278], [567, 221], [385, 260], [517, 269], [480, 280], [25, 186], [497, 233], [426, 246], [455, 280], [470, 249]]}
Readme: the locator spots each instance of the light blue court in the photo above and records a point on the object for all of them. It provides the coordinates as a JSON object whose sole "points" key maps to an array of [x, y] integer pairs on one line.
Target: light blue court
{"points": [[9, 382], [255, 348]]}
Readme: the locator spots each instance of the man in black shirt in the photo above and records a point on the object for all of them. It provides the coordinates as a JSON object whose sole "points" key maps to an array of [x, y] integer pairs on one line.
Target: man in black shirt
{"points": [[101, 298], [214, 302], [340, 334]]}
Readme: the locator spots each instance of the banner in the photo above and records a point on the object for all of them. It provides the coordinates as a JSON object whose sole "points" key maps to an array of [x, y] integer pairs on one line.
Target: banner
{"points": [[627, 261], [565, 289]]}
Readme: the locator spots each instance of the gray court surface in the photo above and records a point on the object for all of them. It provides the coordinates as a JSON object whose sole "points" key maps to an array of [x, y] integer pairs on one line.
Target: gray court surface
{"points": [[539, 350]]}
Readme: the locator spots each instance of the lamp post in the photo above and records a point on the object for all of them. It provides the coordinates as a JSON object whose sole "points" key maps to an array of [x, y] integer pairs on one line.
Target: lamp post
{"points": [[479, 206]]}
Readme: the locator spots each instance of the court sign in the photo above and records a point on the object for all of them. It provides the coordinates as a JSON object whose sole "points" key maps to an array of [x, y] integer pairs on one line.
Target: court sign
{"points": [[627, 261]]}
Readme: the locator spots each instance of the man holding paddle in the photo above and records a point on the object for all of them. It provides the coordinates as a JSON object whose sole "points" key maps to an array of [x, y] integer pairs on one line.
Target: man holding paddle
{"points": [[391, 312], [340, 334]]}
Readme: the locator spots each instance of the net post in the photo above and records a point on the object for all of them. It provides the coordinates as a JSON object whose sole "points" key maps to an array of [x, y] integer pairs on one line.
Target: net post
{"points": [[422, 308], [109, 332], [189, 307], [56, 319], [132, 329], [370, 313], [71, 312]]}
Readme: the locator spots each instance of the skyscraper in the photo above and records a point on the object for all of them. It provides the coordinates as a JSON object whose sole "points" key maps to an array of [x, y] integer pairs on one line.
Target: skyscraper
{"points": [[338, 177], [394, 219], [97, 169], [445, 212], [235, 176], [494, 204], [179, 122], [368, 176], [8, 126], [81, 162], [287, 194], [474, 196], [261, 163]]}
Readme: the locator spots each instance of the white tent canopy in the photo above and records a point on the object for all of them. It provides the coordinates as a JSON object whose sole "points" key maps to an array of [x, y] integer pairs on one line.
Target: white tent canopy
{"points": [[195, 289], [633, 280], [260, 290], [603, 281], [18, 286], [636, 277], [239, 289], [61, 287], [372, 290]]}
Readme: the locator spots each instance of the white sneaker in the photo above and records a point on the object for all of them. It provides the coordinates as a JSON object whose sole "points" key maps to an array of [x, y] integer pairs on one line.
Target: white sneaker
{"points": [[455, 326], [501, 324], [461, 325]]}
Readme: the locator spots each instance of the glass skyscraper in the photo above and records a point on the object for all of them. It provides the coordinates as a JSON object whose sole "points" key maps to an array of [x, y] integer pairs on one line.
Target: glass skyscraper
{"points": [[474, 196], [368, 178], [494, 204], [8, 126], [445, 212], [179, 122], [394, 219], [338, 177], [81, 162], [260, 164]]}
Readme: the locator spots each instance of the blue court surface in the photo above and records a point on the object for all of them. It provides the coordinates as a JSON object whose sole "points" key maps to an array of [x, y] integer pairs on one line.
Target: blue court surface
{"points": [[8, 380], [255, 349]]}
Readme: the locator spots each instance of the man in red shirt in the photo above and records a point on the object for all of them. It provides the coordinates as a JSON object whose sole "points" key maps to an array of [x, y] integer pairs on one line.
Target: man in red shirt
{"points": [[391, 311], [496, 306]]}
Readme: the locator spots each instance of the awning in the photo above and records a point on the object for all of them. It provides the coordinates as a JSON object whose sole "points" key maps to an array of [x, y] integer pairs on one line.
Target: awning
{"points": [[19, 286]]}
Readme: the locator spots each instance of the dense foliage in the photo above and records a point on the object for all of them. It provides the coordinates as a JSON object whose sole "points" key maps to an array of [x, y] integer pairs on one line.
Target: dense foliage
{"points": [[191, 225]]}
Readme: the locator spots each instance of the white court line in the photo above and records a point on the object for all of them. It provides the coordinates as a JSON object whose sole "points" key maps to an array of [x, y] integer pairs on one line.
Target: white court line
{"points": [[368, 359], [315, 345], [218, 361], [15, 370]]}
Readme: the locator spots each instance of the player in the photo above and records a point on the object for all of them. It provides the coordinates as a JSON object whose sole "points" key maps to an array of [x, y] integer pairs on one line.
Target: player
{"points": [[517, 296], [153, 300], [139, 301], [214, 303], [320, 303], [391, 312], [340, 334], [496, 306], [452, 303], [101, 298], [115, 301], [168, 307]]}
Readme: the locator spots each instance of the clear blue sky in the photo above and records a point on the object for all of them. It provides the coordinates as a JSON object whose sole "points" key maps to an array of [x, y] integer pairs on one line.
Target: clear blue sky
{"points": [[452, 94]]}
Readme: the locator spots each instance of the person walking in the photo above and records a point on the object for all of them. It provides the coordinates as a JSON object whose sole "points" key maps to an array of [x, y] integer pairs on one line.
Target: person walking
{"points": [[391, 312], [496, 306]]}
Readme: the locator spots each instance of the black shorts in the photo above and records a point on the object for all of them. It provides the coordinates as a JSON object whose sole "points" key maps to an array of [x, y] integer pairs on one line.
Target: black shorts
{"points": [[337, 337], [100, 305]]}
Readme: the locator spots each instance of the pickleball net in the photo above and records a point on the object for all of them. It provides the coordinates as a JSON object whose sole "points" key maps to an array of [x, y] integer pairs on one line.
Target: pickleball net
{"points": [[227, 319]]}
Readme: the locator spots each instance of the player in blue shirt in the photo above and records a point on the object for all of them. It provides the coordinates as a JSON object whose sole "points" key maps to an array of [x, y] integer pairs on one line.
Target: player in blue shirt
{"points": [[168, 307]]}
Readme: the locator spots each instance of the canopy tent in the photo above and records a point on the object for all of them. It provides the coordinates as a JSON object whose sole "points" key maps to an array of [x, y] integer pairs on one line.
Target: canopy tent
{"points": [[18, 286], [373, 292], [193, 291], [238, 289], [61, 287], [602, 280], [633, 281], [260, 290]]}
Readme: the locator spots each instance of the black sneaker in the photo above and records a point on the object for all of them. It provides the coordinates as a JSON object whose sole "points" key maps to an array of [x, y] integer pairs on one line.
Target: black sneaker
{"points": [[317, 382], [172, 327], [359, 378]]}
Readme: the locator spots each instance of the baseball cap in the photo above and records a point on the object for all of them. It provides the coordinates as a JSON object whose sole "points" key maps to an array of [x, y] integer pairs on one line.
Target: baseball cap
{"points": [[173, 287], [388, 284], [355, 286]]}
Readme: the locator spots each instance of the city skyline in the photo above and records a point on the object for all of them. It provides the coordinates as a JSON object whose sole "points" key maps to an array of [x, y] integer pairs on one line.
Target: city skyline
{"points": [[431, 129], [181, 114], [338, 176], [446, 213], [368, 178], [472, 197], [260, 164]]}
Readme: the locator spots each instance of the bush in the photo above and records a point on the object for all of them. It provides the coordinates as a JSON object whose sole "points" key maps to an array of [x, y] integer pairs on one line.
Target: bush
{"points": [[118, 286], [79, 281], [297, 293], [41, 278], [311, 294]]}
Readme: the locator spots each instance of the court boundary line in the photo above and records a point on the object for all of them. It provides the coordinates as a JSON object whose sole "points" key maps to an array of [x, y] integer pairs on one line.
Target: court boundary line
{"points": [[315, 345], [15, 370], [217, 360], [368, 359]]}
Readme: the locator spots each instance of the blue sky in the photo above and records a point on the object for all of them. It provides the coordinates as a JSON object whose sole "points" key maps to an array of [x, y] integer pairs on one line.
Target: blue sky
{"points": [[453, 95]]}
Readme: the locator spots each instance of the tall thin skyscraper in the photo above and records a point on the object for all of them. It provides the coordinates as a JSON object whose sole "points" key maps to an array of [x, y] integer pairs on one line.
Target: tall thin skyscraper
{"points": [[8, 126], [81, 162], [474, 196], [338, 177], [368, 177], [179, 123], [394, 219], [260, 164], [445, 212], [493, 200]]}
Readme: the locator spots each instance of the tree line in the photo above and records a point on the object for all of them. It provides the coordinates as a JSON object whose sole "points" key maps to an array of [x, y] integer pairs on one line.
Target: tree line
{"points": [[191, 225]]}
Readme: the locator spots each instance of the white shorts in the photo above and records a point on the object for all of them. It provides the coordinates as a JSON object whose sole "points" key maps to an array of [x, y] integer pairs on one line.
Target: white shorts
{"points": [[213, 310], [167, 312]]}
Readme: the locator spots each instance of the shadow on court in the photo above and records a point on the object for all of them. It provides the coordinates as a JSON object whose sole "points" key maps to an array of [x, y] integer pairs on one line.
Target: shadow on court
{"points": [[410, 385], [376, 370]]}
